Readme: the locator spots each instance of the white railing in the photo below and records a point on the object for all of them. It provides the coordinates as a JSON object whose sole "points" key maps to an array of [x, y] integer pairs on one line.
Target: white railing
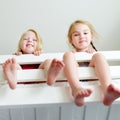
{"points": [[28, 94]]}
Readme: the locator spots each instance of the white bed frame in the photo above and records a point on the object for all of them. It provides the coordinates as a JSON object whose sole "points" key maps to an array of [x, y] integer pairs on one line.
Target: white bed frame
{"points": [[34, 94]]}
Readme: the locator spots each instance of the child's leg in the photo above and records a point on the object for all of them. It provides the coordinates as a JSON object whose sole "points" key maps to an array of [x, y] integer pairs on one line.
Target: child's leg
{"points": [[111, 93], [71, 73], [10, 71], [52, 69]]}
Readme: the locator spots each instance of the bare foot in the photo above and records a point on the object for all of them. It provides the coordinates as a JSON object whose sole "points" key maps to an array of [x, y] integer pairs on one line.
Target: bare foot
{"points": [[111, 94], [79, 95], [10, 72], [54, 70]]}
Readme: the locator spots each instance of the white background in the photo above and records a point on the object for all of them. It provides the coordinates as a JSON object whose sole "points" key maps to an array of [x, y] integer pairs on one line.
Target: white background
{"points": [[52, 18]]}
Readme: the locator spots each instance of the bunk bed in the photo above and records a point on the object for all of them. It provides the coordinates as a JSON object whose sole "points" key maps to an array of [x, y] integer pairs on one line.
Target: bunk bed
{"points": [[40, 94]]}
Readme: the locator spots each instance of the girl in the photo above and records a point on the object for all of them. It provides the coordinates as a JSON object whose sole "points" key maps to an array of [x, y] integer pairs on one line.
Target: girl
{"points": [[81, 35], [31, 43]]}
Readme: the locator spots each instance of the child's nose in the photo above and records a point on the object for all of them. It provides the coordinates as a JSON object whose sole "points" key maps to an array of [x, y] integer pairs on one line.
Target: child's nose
{"points": [[29, 39], [81, 35]]}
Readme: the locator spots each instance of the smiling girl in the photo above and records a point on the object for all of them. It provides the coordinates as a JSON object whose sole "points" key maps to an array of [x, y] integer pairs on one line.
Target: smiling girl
{"points": [[81, 35], [31, 43]]}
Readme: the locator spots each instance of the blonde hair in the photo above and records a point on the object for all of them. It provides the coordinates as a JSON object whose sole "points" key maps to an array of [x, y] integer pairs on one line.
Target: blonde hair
{"points": [[92, 30], [39, 40]]}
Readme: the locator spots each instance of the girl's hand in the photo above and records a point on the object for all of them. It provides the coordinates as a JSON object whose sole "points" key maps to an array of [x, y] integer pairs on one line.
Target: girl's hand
{"points": [[37, 53], [90, 51], [18, 53]]}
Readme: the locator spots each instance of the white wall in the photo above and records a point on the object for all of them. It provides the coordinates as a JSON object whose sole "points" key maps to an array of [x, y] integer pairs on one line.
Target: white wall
{"points": [[52, 19]]}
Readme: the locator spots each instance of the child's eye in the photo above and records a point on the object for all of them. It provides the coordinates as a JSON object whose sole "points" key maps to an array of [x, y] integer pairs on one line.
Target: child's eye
{"points": [[34, 39], [25, 39], [76, 34], [85, 33]]}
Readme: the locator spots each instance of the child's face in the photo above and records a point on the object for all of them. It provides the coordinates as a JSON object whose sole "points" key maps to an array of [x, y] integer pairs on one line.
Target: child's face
{"points": [[29, 43], [81, 37]]}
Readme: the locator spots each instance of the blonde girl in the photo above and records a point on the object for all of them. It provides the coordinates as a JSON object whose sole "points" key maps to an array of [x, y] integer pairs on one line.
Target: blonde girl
{"points": [[37, 41], [31, 43], [81, 35]]}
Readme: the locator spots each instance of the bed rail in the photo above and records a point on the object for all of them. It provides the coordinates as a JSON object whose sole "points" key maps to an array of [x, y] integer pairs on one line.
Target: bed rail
{"points": [[41, 93]]}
